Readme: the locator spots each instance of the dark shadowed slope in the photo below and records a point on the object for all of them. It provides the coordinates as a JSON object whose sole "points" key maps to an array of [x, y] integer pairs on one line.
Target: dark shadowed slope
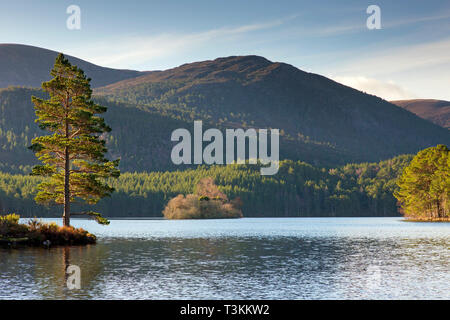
{"points": [[22, 65], [322, 121], [437, 111], [140, 138]]}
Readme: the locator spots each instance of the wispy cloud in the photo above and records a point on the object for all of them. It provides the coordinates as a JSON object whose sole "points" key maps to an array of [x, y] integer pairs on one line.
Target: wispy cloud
{"points": [[387, 90], [400, 59], [413, 20], [130, 51], [360, 26]]}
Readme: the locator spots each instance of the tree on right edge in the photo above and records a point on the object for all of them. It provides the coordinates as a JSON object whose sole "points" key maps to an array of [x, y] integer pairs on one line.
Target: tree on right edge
{"points": [[424, 187]]}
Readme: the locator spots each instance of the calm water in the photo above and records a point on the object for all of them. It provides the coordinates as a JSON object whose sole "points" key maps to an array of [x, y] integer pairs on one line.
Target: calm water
{"points": [[273, 258]]}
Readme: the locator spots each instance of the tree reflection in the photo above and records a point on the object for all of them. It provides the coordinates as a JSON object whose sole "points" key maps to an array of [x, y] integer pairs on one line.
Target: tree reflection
{"points": [[50, 270]]}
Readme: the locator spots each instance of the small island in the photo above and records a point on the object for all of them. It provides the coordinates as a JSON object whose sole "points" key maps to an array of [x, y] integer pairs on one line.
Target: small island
{"points": [[74, 166], [37, 233], [207, 202]]}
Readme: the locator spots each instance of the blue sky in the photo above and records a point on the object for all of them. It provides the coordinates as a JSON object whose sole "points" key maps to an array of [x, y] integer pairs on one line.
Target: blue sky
{"points": [[409, 57]]}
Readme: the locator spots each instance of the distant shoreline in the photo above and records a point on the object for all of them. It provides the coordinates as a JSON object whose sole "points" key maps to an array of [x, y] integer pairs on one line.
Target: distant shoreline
{"points": [[274, 217], [427, 220]]}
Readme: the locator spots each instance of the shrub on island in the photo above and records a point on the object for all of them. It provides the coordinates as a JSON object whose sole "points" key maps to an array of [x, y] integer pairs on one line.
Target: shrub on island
{"points": [[36, 232], [206, 203]]}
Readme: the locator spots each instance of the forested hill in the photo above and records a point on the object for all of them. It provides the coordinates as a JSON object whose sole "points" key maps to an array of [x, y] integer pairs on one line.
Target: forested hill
{"points": [[437, 111], [141, 136], [22, 65], [322, 121], [324, 127]]}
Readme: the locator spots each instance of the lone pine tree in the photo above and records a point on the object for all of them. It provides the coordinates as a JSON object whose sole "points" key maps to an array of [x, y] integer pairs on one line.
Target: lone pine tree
{"points": [[73, 156]]}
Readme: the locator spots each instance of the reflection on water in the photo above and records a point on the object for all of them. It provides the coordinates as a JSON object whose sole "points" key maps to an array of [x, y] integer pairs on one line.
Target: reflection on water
{"points": [[240, 259]]}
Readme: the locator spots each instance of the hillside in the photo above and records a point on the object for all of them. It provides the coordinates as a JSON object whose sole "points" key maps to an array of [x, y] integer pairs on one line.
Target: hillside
{"points": [[22, 65], [140, 138], [322, 121], [437, 111]]}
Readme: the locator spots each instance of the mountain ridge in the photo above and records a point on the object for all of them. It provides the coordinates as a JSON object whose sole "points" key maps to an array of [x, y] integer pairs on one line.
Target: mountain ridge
{"points": [[29, 66], [251, 91]]}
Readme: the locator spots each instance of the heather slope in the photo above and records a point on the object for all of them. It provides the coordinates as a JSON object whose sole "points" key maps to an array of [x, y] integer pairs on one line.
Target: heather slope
{"points": [[437, 111]]}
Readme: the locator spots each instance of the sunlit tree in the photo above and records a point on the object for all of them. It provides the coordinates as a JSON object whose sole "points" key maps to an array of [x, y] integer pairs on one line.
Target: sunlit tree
{"points": [[425, 185], [73, 156]]}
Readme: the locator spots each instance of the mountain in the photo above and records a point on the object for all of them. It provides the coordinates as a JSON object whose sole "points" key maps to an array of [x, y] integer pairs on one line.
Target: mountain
{"points": [[321, 121], [22, 65], [437, 111]]}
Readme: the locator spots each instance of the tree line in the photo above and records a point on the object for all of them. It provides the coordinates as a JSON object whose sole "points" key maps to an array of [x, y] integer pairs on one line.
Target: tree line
{"points": [[297, 190]]}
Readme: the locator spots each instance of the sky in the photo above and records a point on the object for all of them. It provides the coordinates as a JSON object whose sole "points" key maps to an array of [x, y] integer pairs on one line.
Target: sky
{"points": [[407, 58]]}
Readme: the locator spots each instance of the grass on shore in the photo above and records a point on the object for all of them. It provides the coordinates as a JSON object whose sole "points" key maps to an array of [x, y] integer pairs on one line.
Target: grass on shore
{"points": [[411, 219], [37, 233]]}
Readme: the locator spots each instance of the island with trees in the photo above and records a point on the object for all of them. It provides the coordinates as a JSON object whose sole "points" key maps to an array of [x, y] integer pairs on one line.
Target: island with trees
{"points": [[208, 202], [73, 156]]}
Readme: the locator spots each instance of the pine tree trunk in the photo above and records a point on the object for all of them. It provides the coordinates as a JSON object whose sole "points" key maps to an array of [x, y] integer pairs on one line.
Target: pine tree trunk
{"points": [[438, 208], [66, 216]]}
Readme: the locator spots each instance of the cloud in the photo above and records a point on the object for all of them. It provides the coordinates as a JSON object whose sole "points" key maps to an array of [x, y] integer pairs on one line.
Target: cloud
{"points": [[399, 59], [128, 52], [421, 68], [360, 26], [386, 90], [413, 20]]}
